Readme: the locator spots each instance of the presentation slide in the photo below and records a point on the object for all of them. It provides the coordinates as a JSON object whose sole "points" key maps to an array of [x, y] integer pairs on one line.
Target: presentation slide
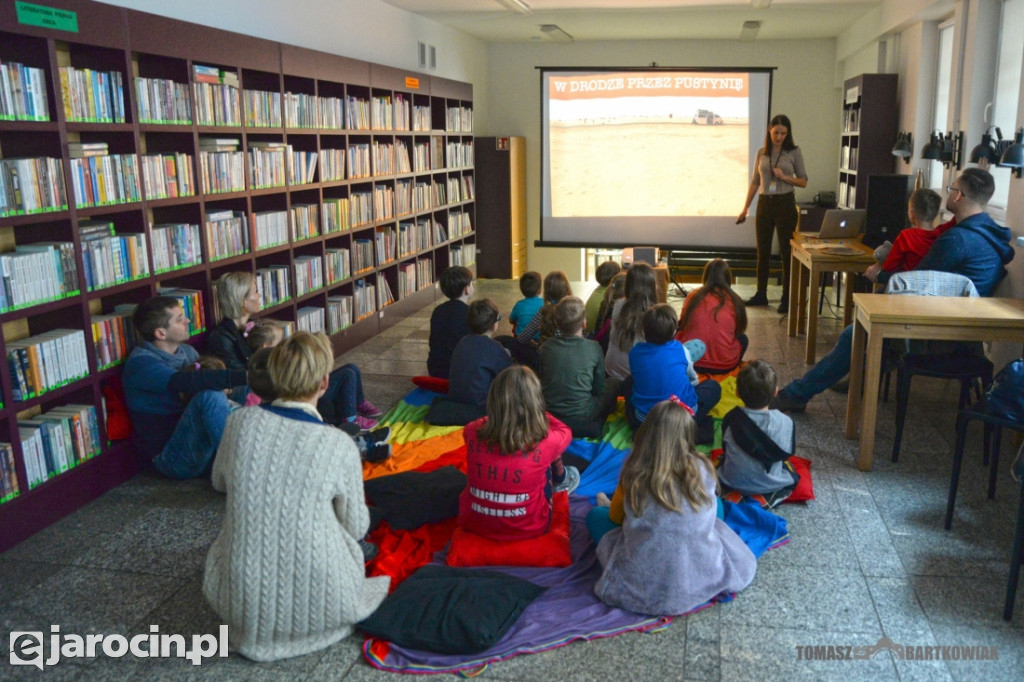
{"points": [[659, 157]]}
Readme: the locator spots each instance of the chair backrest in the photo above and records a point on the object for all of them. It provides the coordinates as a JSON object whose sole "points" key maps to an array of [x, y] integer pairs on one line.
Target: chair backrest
{"points": [[931, 283]]}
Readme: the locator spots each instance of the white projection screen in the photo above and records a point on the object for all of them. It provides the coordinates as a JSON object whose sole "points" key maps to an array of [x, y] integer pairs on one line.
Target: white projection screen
{"points": [[654, 156]]}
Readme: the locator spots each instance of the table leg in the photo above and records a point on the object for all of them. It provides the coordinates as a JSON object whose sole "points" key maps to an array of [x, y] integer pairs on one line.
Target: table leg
{"points": [[794, 283], [848, 298], [853, 395], [869, 401], [801, 319], [812, 314]]}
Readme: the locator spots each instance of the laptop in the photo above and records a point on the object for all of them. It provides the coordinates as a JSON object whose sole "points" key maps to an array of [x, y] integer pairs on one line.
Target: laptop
{"points": [[842, 224]]}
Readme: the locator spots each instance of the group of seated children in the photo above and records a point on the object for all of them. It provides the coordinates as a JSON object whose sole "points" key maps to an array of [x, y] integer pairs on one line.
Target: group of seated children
{"points": [[662, 543]]}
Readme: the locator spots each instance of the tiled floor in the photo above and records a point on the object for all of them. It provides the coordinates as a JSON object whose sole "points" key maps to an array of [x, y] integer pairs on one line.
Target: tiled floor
{"points": [[868, 559]]}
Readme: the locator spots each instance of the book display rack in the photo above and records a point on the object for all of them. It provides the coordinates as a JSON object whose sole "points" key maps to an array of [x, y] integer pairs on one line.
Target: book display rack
{"points": [[143, 155], [869, 133]]}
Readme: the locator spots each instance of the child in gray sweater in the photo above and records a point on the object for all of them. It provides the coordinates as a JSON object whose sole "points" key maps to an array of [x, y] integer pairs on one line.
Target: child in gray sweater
{"points": [[757, 441]]}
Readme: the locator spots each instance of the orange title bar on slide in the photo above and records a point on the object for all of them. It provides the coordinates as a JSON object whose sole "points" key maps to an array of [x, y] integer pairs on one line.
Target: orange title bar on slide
{"points": [[649, 84]]}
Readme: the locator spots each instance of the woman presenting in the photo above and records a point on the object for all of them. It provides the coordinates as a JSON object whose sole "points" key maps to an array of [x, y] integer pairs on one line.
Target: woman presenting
{"points": [[779, 168]]}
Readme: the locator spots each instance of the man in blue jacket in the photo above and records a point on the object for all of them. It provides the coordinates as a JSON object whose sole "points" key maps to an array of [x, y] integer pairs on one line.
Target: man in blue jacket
{"points": [[976, 247], [182, 440]]}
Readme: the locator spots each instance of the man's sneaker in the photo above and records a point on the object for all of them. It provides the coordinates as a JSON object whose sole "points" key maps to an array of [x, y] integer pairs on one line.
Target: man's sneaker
{"points": [[364, 423], [368, 409], [760, 298], [376, 453], [569, 483], [369, 550], [784, 403], [377, 435]]}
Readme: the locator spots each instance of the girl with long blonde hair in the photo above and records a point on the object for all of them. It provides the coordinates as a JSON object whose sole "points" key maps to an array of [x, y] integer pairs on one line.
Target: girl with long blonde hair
{"points": [[514, 461], [662, 545]]}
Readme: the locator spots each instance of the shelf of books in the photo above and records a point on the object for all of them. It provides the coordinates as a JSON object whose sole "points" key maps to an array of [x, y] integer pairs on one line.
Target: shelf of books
{"points": [[141, 155]]}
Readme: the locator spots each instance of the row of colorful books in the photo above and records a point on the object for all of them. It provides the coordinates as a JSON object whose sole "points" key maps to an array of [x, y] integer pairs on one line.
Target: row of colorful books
{"points": [[309, 274], [113, 335], [305, 221], [168, 176], [175, 246], [458, 154], [227, 234], [9, 486], [413, 276], [111, 258], [92, 96], [43, 362], [463, 254], [262, 109], [58, 440], [161, 100], [313, 111], [23, 93], [272, 283], [386, 243], [413, 236], [389, 113], [31, 185], [310, 319], [459, 120], [37, 273], [105, 180]]}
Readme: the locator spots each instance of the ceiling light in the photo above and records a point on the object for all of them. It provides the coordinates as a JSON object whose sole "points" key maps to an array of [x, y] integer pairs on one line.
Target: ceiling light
{"points": [[517, 6], [760, 4], [555, 33], [750, 29]]}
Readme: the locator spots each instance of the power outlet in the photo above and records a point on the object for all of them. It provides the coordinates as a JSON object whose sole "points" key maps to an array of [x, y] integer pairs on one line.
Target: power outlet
{"points": [[1020, 242]]}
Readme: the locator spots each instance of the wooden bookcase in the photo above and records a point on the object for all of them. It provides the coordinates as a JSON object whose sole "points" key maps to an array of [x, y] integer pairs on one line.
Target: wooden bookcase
{"points": [[870, 118], [501, 206], [436, 141]]}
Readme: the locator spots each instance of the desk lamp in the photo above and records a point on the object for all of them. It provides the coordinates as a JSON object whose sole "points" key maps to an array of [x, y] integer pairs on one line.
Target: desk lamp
{"points": [[904, 147], [1013, 157]]}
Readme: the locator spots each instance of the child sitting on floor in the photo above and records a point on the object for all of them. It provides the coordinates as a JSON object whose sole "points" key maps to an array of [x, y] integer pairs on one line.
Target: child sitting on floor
{"points": [[662, 367], [264, 333], [616, 291], [475, 362], [758, 442], [572, 373], [529, 305], [662, 545], [605, 274], [448, 322], [716, 315], [514, 461]]}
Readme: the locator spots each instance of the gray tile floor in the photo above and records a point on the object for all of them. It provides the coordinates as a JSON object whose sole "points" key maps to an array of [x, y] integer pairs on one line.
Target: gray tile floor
{"points": [[868, 558]]}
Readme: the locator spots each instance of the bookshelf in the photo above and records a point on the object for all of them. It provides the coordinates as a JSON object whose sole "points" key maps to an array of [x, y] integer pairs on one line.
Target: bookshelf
{"points": [[501, 206], [869, 132], [197, 152]]}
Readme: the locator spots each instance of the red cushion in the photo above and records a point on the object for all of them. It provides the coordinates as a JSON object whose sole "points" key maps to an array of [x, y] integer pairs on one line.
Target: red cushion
{"points": [[431, 384], [550, 549], [119, 426], [805, 488]]}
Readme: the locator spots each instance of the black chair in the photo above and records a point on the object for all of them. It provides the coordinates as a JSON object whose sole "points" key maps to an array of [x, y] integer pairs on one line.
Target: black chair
{"points": [[994, 425], [968, 369]]}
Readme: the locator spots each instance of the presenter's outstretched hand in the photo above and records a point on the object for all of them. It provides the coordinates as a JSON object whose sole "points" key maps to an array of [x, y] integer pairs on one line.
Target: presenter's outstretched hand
{"points": [[742, 219]]}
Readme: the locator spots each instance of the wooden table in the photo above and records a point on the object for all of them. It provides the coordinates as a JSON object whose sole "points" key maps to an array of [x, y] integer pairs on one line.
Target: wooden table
{"points": [[880, 317], [806, 266]]}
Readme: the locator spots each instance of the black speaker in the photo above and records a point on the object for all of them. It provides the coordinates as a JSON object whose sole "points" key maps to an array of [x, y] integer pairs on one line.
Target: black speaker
{"points": [[886, 207]]}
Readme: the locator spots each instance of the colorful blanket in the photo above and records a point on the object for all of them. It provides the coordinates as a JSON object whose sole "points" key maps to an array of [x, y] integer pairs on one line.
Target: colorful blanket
{"points": [[543, 625]]}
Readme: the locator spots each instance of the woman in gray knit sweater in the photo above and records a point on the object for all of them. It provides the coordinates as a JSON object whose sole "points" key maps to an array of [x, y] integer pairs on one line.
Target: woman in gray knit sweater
{"points": [[286, 572]]}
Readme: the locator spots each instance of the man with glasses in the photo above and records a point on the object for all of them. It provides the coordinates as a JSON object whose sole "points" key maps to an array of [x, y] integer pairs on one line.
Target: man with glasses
{"points": [[976, 247]]}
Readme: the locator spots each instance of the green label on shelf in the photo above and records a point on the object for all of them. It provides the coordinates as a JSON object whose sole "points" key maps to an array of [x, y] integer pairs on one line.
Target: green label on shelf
{"points": [[47, 17]]}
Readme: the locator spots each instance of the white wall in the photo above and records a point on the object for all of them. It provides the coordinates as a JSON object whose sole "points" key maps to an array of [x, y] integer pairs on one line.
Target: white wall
{"points": [[803, 88], [369, 30]]}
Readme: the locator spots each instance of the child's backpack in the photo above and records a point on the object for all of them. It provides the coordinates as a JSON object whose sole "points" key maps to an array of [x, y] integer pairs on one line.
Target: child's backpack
{"points": [[1006, 395]]}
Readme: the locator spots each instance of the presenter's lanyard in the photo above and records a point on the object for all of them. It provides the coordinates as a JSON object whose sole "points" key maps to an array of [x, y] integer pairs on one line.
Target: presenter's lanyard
{"points": [[773, 185]]}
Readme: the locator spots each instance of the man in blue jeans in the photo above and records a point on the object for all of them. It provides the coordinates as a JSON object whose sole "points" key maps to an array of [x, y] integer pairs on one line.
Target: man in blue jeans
{"points": [[976, 247], [182, 440]]}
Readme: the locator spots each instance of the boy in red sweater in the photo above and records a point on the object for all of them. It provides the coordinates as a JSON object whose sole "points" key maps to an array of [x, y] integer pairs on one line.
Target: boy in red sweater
{"points": [[913, 243]]}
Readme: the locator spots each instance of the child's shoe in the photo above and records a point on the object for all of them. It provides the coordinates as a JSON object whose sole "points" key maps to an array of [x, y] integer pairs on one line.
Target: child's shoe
{"points": [[376, 453], [364, 423], [368, 409], [569, 483], [369, 550], [373, 447]]}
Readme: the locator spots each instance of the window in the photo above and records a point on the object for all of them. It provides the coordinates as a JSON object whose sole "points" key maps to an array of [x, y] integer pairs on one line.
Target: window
{"points": [[943, 92], [1007, 89]]}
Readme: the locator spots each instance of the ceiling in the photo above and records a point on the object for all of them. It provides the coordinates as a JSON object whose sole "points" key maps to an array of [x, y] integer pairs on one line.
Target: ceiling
{"points": [[586, 20]]}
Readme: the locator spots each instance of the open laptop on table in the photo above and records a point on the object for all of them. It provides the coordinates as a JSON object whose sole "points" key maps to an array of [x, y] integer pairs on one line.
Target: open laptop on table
{"points": [[841, 224]]}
